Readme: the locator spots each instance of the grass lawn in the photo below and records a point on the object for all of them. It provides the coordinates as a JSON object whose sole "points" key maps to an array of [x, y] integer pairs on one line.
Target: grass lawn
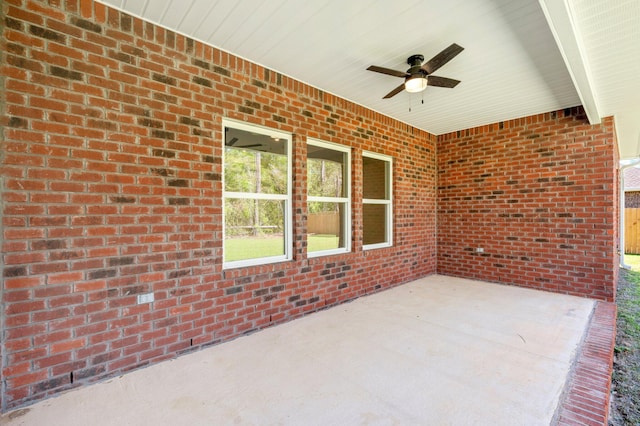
{"points": [[625, 407], [633, 260], [319, 242], [249, 248]]}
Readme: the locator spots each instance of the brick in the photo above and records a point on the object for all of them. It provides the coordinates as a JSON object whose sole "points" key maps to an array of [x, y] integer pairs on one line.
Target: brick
{"points": [[27, 379], [67, 345]]}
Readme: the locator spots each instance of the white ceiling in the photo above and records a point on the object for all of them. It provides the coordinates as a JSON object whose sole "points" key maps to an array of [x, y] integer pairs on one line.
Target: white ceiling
{"points": [[610, 31], [521, 57]]}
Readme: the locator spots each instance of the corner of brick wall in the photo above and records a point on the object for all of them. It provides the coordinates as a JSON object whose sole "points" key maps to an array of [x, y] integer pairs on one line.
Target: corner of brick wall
{"points": [[531, 202]]}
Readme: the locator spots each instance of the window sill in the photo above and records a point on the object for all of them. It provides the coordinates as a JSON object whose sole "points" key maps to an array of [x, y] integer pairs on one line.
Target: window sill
{"points": [[254, 262]]}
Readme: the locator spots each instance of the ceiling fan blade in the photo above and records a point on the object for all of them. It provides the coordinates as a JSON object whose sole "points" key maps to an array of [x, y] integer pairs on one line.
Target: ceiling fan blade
{"points": [[394, 91], [442, 58], [232, 142], [434, 80], [250, 146], [387, 71]]}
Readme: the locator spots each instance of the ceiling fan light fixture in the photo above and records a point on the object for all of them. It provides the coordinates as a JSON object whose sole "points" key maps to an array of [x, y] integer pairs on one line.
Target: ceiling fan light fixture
{"points": [[416, 83]]}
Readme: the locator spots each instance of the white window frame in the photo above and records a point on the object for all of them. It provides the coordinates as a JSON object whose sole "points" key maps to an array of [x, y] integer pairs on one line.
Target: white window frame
{"points": [[287, 198], [346, 200], [386, 202]]}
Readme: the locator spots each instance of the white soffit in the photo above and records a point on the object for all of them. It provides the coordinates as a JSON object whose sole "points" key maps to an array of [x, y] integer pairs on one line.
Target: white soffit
{"points": [[600, 42], [611, 36], [610, 32]]}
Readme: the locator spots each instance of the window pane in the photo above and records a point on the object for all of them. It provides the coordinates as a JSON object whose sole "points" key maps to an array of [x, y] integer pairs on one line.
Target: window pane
{"points": [[253, 229], [254, 163], [374, 176], [326, 226], [325, 172], [374, 223]]}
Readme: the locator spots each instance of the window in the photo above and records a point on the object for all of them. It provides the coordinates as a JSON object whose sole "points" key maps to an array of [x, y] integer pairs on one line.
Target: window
{"points": [[328, 199], [377, 224], [257, 195]]}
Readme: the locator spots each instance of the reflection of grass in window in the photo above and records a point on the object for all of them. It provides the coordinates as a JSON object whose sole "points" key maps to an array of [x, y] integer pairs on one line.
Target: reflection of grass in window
{"points": [[252, 248], [319, 242]]}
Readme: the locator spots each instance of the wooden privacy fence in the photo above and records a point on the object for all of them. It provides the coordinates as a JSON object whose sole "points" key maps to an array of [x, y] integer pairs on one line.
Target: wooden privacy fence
{"points": [[632, 231], [324, 223]]}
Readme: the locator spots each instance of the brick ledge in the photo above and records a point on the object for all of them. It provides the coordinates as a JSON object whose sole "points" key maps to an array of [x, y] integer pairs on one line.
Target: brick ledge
{"points": [[586, 397]]}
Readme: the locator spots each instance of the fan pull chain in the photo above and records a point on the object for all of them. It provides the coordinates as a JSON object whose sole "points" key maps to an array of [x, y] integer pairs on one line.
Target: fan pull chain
{"points": [[411, 97]]}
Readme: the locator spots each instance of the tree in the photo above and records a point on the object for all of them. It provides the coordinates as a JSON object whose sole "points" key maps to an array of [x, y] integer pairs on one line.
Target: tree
{"points": [[252, 171]]}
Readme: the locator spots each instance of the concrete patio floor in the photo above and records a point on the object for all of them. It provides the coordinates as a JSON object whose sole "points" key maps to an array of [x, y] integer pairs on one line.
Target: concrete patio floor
{"points": [[439, 350]]}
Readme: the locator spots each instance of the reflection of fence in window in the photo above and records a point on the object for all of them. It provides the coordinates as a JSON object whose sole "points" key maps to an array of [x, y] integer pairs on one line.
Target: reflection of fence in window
{"points": [[253, 230], [325, 223]]}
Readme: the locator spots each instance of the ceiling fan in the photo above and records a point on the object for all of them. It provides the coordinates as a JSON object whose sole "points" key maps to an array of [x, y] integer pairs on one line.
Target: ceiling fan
{"points": [[233, 141], [419, 75]]}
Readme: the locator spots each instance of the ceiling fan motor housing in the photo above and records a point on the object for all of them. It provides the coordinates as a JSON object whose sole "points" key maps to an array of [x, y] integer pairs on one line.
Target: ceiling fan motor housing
{"points": [[415, 61]]}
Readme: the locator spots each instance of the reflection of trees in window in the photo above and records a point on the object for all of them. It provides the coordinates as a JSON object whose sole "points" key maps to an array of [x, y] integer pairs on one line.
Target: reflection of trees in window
{"points": [[245, 217], [251, 171], [257, 196], [324, 180], [248, 170]]}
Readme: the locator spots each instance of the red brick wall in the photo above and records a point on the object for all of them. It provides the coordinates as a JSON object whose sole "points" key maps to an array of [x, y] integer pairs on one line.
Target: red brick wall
{"points": [[539, 195], [111, 187]]}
